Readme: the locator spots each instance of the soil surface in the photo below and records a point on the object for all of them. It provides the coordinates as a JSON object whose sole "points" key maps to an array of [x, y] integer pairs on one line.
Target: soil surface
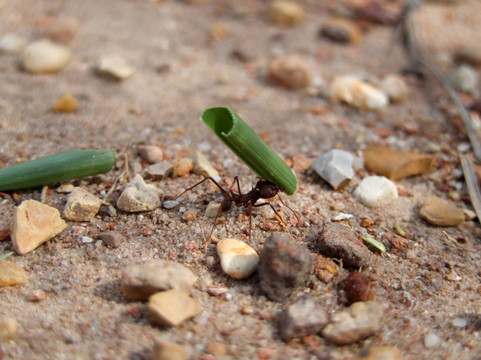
{"points": [[181, 68]]}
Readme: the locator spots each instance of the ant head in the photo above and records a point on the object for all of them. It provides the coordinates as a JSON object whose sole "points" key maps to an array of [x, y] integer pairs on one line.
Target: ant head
{"points": [[267, 189]]}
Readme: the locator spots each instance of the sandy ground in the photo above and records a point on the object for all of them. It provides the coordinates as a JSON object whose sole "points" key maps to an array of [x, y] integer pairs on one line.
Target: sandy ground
{"points": [[85, 314]]}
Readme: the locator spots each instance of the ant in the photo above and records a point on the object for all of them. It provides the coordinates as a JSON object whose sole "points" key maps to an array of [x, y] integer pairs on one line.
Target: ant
{"points": [[263, 189]]}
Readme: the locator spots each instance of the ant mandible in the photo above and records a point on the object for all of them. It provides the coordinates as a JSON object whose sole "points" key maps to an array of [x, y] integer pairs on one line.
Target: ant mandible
{"points": [[263, 189]]}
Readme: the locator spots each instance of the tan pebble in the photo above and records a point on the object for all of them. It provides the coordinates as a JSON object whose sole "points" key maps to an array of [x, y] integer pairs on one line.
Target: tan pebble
{"points": [[11, 273], [438, 211], [357, 93], [60, 29], [168, 350], [44, 56], [37, 296], [324, 268], [65, 188], [8, 328], [212, 209], [66, 103], [219, 31], [151, 153], [202, 166], [35, 223], [172, 307], [395, 87], [291, 72], [341, 30], [380, 353], [81, 205], [189, 215], [285, 12], [115, 67], [216, 348], [469, 214], [238, 260], [183, 166]]}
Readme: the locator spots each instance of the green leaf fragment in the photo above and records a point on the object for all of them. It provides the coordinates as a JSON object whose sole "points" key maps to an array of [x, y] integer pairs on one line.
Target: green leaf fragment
{"points": [[55, 168], [373, 242], [399, 230], [250, 148], [4, 256]]}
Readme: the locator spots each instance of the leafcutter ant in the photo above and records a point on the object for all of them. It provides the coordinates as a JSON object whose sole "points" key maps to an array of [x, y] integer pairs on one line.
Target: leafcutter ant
{"points": [[263, 189]]}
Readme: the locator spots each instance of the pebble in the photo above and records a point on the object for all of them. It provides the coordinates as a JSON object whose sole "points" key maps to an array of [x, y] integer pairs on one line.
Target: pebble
{"points": [[183, 166], [284, 267], [212, 209], [115, 67], [140, 281], [380, 353], [395, 87], [170, 204], [341, 30], [397, 164], [172, 307], [431, 340], [216, 348], [465, 78], [302, 318], [460, 323], [358, 94], [151, 153], [336, 167], [339, 241], [8, 328], [202, 165], [285, 12], [65, 188], [60, 29], [168, 350], [66, 103], [34, 223], [438, 211], [11, 273], [376, 191], [160, 170], [324, 268], [111, 238], [37, 296], [139, 196], [44, 56], [357, 322], [237, 259], [357, 287], [291, 72], [11, 44], [81, 205]]}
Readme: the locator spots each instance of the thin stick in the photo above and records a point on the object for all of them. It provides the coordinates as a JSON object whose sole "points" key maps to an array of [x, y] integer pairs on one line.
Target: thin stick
{"points": [[471, 183]]}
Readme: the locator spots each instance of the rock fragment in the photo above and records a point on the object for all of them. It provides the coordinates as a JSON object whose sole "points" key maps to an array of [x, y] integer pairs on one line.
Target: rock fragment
{"points": [[302, 318], [8, 328], [81, 205], [139, 196], [34, 223], [285, 12], [11, 273], [115, 67], [395, 87], [66, 103], [202, 166], [138, 282], [212, 209], [291, 72], [216, 348], [438, 211], [159, 170], [380, 353], [357, 287], [376, 191], [168, 350], [336, 167], [357, 322], [465, 78], [397, 164], [44, 56], [325, 269], [341, 30], [358, 94], [183, 166], [284, 267], [237, 259], [12, 44], [37, 296], [341, 242], [172, 307], [111, 238], [151, 153]]}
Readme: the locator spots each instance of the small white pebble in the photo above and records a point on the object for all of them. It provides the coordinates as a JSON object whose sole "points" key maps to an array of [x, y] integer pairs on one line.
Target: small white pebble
{"points": [[87, 240], [460, 323], [431, 340]]}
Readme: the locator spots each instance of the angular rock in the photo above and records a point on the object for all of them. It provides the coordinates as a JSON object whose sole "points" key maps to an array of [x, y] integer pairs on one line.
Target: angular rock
{"points": [[150, 153], [397, 164], [357, 322], [285, 12], [34, 223], [284, 267], [341, 30], [380, 353], [44, 56], [172, 307], [140, 281], [291, 72], [237, 259], [376, 191], [336, 167], [183, 166], [11, 273], [357, 93], [304, 317], [168, 350], [111, 238], [115, 67], [341, 242], [66, 103], [81, 205], [8, 328], [395, 87], [160, 170], [202, 166], [37, 296], [139, 196], [438, 211]]}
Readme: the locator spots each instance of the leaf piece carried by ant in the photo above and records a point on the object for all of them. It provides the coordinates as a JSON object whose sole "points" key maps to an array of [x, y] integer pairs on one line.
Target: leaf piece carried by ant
{"points": [[250, 148]]}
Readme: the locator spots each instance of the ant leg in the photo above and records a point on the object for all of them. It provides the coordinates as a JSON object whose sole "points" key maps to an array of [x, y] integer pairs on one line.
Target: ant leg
{"points": [[287, 206], [273, 209], [200, 182]]}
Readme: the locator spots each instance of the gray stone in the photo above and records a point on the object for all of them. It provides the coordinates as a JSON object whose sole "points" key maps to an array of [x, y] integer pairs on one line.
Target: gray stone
{"points": [[81, 205], [284, 267], [376, 191], [304, 317], [357, 322], [12, 44], [140, 281], [111, 238], [160, 170], [170, 204], [336, 167], [139, 196]]}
